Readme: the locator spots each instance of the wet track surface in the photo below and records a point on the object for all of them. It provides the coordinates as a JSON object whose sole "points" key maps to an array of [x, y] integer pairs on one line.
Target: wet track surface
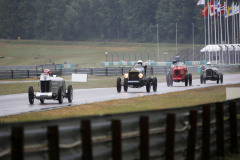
{"points": [[18, 103]]}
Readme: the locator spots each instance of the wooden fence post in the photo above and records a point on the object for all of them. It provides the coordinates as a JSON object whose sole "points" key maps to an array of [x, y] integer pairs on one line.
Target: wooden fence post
{"points": [[220, 129], [233, 126], [86, 135], [170, 136], [192, 134], [91, 71], [106, 72], [116, 140], [206, 132], [28, 73], [144, 138], [53, 143], [17, 143]]}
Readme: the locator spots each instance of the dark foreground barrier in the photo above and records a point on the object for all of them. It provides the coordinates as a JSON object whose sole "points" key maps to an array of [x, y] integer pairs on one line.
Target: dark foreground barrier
{"points": [[199, 132]]}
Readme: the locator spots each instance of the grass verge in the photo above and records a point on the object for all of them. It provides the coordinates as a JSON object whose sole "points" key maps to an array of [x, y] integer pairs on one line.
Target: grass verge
{"points": [[145, 103]]}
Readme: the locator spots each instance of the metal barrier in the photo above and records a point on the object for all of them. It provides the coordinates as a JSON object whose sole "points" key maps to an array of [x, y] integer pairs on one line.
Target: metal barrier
{"points": [[109, 71], [199, 132]]}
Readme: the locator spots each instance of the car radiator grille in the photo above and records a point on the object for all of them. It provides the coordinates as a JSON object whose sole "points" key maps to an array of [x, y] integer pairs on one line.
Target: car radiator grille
{"points": [[133, 76], [176, 72], [209, 73], [45, 86]]}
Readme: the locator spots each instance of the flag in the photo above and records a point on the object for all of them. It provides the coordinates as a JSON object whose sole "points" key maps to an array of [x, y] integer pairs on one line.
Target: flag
{"points": [[209, 8], [204, 12], [236, 9], [201, 2], [230, 10], [223, 9]]}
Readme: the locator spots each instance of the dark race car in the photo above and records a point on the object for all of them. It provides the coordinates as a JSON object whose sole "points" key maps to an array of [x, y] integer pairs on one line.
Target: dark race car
{"points": [[211, 73], [178, 72], [137, 78]]}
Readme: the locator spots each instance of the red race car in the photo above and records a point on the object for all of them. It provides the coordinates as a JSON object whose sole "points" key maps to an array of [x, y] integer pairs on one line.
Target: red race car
{"points": [[178, 72]]}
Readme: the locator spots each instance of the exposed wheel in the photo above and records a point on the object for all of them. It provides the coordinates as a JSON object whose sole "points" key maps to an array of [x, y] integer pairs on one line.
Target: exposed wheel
{"points": [[30, 94], [190, 79], [70, 93], [60, 95], [221, 78], [154, 82], [201, 78], [204, 81], [171, 80], [125, 84], [217, 80], [42, 101], [119, 87], [167, 80], [148, 85], [186, 80]]}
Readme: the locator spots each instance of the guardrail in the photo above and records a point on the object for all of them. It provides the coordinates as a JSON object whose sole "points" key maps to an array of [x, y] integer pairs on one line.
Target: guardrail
{"points": [[108, 71], [199, 132]]}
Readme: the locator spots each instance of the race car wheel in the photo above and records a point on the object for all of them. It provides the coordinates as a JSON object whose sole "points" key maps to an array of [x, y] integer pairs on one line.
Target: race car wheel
{"points": [[42, 101], [201, 78], [60, 95], [217, 80], [190, 79], [154, 82], [70, 93], [204, 81], [171, 80], [31, 94], [125, 84], [221, 78], [167, 80], [119, 87], [148, 85], [186, 80]]}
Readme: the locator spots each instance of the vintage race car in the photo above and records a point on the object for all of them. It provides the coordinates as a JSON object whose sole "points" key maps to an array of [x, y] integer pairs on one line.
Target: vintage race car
{"points": [[51, 88], [137, 78], [178, 72], [212, 74]]}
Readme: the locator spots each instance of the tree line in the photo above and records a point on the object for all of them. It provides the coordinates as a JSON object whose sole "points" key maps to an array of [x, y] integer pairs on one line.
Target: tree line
{"points": [[131, 20]]}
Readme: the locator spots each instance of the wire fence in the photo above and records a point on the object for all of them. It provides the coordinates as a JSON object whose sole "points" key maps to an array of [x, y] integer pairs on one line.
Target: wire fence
{"points": [[107, 71], [199, 132]]}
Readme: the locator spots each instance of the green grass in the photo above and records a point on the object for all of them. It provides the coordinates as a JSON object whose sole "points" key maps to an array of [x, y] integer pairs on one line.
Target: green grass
{"points": [[86, 54], [145, 103]]}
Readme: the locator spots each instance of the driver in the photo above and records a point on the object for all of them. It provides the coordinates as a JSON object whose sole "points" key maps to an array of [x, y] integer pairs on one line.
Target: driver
{"points": [[140, 62], [209, 65], [47, 71]]}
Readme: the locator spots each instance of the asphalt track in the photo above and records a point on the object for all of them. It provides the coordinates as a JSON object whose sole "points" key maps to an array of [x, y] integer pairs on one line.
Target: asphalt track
{"points": [[18, 103]]}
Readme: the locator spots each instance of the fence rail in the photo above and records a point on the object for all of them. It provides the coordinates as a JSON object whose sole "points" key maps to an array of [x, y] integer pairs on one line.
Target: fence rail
{"points": [[109, 71], [199, 132]]}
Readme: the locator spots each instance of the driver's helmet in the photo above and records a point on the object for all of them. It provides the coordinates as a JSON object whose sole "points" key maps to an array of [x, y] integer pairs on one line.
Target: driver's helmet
{"points": [[140, 62], [47, 71], [208, 63]]}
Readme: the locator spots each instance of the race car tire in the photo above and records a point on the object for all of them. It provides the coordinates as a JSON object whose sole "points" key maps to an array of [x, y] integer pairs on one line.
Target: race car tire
{"points": [[221, 78], [125, 84], [171, 80], [31, 94], [217, 80], [42, 101], [119, 87], [204, 81], [60, 95], [186, 80], [154, 82], [148, 85], [167, 80], [190, 79], [201, 78], [70, 93]]}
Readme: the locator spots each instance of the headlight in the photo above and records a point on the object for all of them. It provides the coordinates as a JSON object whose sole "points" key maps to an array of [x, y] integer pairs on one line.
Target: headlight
{"points": [[125, 75], [140, 75]]}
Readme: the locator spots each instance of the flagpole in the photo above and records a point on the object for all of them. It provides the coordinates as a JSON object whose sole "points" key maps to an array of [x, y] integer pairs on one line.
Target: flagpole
{"points": [[208, 31], [205, 29]]}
